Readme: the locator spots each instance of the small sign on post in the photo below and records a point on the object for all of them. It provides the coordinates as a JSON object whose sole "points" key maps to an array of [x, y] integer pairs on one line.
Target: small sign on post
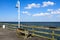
{"points": [[3, 26]]}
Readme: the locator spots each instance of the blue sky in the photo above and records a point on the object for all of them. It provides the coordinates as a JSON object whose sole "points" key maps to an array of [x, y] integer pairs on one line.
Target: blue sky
{"points": [[31, 10]]}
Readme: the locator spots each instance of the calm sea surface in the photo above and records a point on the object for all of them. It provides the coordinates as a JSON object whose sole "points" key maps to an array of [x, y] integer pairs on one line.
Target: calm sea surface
{"points": [[53, 24]]}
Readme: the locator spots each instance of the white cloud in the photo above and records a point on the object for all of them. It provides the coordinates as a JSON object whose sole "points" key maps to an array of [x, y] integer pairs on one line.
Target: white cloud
{"points": [[55, 11], [44, 4], [49, 9], [48, 3], [59, 9], [26, 12], [41, 14], [33, 5], [50, 12]]}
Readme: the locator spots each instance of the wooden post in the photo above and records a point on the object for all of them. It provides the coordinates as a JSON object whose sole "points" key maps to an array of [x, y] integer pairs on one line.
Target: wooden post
{"points": [[33, 30], [52, 35], [52, 28], [25, 34]]}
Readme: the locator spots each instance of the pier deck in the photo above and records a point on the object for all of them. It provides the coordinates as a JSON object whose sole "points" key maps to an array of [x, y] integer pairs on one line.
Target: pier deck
{"points": [[6, 34]]}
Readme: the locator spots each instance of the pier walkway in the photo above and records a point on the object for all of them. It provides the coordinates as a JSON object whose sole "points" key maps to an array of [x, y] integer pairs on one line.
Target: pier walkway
{"points": [[6, 34]]}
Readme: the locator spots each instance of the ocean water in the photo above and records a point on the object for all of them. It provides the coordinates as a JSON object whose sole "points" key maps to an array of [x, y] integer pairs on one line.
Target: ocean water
{"points": [[48, 24], [53, 24]]}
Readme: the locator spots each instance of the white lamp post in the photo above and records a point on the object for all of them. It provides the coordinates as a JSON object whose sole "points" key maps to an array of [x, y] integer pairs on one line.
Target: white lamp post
{"points": [[18, 7]]}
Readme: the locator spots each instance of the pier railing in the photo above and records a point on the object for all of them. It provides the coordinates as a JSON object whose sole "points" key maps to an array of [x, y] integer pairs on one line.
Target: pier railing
{"points": [[41, 31], [45, 32]]}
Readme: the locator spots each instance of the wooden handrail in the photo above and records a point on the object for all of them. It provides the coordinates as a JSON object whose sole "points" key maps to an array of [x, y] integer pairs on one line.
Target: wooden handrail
{"points": [[45, 28], [52, 34]]}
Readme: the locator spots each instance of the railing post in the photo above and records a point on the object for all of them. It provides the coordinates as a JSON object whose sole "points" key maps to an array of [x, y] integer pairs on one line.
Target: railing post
{"points": [[33, 30], [25, 35], [52, 28], [52, 35]]}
